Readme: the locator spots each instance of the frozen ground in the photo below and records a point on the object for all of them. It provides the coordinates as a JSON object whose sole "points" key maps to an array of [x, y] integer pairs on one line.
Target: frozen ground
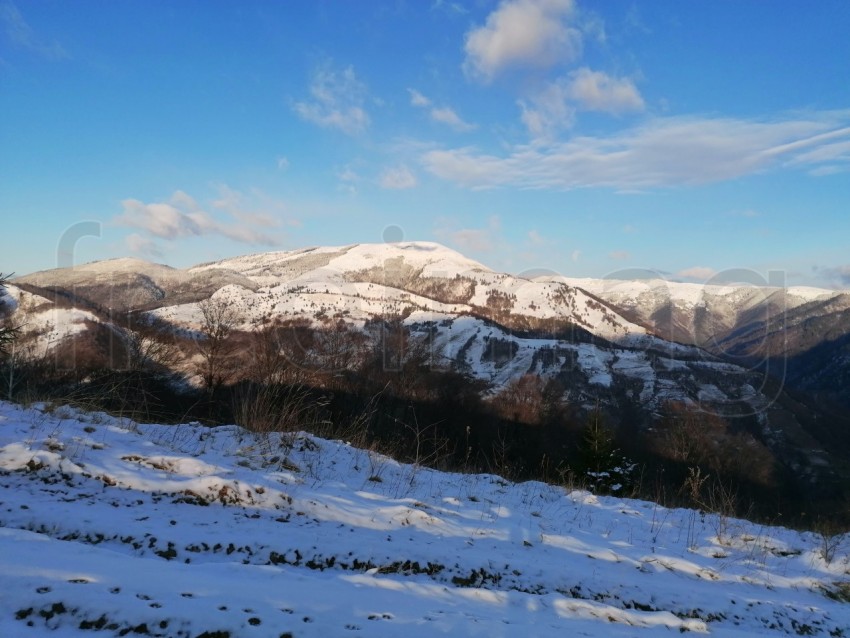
{"points": [[115, 528]]}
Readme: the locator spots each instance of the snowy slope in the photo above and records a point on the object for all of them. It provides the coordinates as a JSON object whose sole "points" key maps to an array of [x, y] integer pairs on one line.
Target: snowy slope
{"points": [[652, 292], [706, 314], [471, 314], [292, 282], [180, 530], [43, 325]]}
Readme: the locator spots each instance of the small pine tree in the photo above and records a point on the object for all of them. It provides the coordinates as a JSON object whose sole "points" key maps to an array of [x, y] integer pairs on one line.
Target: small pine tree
{"points": [[606, 468]]}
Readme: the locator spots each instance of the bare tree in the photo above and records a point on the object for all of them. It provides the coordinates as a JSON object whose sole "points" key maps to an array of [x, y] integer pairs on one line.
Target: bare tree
{"points": [[8, 332], [150, 348], [218, 321]]}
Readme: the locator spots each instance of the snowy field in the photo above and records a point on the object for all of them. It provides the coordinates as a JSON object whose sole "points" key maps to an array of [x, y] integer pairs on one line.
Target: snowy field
{"points": [[108, 527]]}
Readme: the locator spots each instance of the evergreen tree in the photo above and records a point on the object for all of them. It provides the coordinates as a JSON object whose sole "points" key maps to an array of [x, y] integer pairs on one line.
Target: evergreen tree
{"points": [[606, 468]]}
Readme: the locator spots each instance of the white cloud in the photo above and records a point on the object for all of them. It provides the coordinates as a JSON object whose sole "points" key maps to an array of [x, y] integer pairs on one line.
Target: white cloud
{"points": [[348, 180], [348, 174], [417, 99], [236, 204], [444, 115], [20, 33], [181, 217], [397, 178], [160, 219], [447, 116], [536, 238], [522, 33], [619, 255], [282, 163], [838, 275], [482, 240], [663, 152], [477, 239], [449, 7], [142, 245], [552, 109], [597, 91], [338, 99], [547, 112], [829, 169], [575, 256], [701, 273]]}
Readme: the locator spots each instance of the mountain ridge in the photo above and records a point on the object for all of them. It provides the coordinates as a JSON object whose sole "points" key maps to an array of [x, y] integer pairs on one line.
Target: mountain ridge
{"points": [[633, 353]]}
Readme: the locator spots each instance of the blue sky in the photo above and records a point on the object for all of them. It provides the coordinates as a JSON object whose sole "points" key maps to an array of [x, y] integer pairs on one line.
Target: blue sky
{"points": [[584, 138]]}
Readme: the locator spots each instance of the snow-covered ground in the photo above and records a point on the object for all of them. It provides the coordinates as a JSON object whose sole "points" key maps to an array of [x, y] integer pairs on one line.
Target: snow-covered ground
{"points": [[107, 525]]}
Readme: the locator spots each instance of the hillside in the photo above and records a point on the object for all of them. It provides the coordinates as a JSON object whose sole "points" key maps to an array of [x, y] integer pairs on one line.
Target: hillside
{"points": [[494, 326], [629, 347], [156, 530], [796, 333]]}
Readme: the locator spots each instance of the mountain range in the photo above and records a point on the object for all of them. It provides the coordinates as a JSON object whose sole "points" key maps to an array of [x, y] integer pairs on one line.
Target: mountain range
{"points": [[776, 360]]}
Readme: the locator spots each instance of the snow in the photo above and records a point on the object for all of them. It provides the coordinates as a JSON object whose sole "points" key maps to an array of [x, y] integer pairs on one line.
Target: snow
{"points": [[807, 293], [178, 530], [359, 282], [435, 259], [123, 265], [52, 324], [8, 299], [292, 284], [657, 292]]}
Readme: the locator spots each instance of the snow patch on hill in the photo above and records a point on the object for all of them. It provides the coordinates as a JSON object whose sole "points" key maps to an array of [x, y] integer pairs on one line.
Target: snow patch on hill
{"points": [[162, 530]]}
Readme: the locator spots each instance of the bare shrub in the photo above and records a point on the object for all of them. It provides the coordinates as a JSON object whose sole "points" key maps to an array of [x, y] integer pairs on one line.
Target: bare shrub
{"points": [[8, 332], [696, 438], [830, 538], [276, 408], [151, 347]]}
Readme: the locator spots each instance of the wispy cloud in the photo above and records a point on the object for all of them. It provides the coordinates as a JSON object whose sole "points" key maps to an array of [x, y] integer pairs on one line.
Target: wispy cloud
{"points": [[748, 213], [338, 98], [552, 108], [523, 33], [663, 152], [619, 255], [144, 246], [450, 7], [417, 99], [699, 273], [829, 169], [397, 178], [838, 275], [537, 239], [181, 216], [547, 112], [21, 34], [447, 116], [237, 205], [481, 240], [597, 91], [444, 114]]}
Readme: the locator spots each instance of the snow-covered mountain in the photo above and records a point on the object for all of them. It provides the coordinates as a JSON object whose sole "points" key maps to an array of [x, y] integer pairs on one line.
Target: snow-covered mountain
{"points": [[136, 529], [607, 342], [494, 326], [712, 316], [799, 334]]}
